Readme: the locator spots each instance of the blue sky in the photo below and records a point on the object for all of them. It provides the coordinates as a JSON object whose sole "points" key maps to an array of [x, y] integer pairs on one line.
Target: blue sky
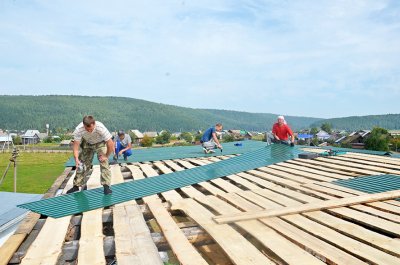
{"points": [[305, 58]]}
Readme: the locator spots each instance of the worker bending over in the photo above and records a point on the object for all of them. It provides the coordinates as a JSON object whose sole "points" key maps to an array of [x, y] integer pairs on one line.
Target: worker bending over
{"points": [[95, 138], [209, 140]]}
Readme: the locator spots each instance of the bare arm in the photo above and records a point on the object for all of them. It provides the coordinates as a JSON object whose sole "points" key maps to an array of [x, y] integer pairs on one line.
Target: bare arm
{"points": [[76, 152], [292, 138], [216, 139], [110, 148]]}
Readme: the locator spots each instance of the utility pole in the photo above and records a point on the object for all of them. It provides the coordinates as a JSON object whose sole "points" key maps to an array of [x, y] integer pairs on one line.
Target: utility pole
{"points": [[14, 159]]}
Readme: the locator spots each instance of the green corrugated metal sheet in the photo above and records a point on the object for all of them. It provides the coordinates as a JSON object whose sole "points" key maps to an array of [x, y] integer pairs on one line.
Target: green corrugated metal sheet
{"points": [[371, 184], [164, 153], [94, 199]]}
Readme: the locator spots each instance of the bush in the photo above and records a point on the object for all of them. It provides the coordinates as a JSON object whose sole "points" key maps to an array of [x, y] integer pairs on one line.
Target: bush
{"points": [[228, 138], [187, 136], [163, 138], [147, 141], [378, 140]]}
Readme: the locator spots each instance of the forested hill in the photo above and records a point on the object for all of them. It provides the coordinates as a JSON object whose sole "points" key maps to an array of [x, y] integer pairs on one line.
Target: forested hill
{"points": [[388, 121], [65, 112]]}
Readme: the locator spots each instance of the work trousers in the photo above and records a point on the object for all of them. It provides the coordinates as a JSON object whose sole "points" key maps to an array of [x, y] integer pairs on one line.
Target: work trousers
{"points": [[86, 155]]}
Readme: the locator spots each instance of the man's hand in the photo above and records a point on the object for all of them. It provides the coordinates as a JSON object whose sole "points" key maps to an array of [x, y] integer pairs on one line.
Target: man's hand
{"points": [[102, 158], [77, 162], [121, 152], [219, 146], [291, 144]]}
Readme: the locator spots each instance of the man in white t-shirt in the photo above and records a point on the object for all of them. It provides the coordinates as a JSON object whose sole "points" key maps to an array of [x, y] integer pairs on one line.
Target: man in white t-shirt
{"points": [[93, 137]]}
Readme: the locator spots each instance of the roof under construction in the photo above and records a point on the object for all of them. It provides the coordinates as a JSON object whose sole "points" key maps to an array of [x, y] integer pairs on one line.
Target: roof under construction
{"points": [[178, 225]]}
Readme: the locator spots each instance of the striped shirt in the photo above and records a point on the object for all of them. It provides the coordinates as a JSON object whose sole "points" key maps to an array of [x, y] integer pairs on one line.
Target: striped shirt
{"points": [[98, 135]]}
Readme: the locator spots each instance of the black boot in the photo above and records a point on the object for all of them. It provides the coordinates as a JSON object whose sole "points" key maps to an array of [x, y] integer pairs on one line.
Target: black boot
{"points": [[107, 190], [73, 189]]}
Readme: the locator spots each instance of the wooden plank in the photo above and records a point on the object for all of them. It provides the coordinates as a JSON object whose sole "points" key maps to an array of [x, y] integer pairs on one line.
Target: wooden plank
{"points": [[292, 177], [25, 227], [361, 250], [266, 236], [327, 252], [303, 163], [184, 251], [235, 178], [170, 195], [338, 167], [367, 162], [312, 176], [47, 246], [359, 164], [91, 249], [272, 178], [285, 197], [209, 187], [313, 171], [223, 184], [383, 159], [309, 207], [188, 190], [134, 244], [332, 161], [239, 250], [363, 208], [354, 192]]}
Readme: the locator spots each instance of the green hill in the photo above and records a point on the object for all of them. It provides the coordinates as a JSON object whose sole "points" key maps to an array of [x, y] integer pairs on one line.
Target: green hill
{"points": [[65, 112], [388, 121]]}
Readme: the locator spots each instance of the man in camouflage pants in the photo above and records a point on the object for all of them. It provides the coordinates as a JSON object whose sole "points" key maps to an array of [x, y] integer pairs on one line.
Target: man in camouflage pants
{"points": [[93, 137]]}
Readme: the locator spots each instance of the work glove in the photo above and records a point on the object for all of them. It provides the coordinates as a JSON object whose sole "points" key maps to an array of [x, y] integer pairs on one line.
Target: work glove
{"points": [[292, 144]]}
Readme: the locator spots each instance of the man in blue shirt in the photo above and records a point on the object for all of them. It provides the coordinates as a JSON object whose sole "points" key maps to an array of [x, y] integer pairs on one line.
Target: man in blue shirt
{"points": [[209, 140]]}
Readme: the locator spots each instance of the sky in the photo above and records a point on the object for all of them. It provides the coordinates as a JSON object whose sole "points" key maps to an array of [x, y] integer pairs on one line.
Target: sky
{"points": [[315, 58]]}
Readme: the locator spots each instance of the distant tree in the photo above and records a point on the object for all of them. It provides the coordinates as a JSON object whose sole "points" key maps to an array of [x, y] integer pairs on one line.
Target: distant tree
{"points": [[187, 136], [327, 127], [395, 144], [228, 138], [197, 137], [17, 140], [378, 140], [147, 141], [173, 138], [163, 138], [314, 130], [48, 139]]}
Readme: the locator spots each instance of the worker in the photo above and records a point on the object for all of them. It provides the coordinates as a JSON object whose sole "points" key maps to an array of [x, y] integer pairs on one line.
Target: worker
{"points": [[123, 145], [95, 138], [281, 132], [209, 140]]}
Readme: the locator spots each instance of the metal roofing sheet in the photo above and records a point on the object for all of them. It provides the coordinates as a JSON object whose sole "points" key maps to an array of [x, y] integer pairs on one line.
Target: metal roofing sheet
{"points": [[93, 199], [372, 184]]}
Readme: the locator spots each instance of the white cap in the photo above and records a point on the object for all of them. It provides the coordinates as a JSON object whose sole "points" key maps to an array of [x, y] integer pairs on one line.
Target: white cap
{"points": [[282, 118]]}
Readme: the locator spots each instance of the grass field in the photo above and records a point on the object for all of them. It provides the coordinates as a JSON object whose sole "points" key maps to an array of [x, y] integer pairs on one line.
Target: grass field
{"points": [[36, 172]]}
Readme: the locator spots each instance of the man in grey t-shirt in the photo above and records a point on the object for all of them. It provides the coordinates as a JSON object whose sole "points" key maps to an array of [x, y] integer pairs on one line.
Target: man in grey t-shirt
{"points": [[123, 145]]}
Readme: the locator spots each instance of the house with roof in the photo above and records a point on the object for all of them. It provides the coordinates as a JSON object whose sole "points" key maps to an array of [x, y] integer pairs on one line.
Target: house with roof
{"points": [[357, 139], [394, 133], [151, 134], [241, 134], [138, 136], [32, 137], [322, 135]]}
